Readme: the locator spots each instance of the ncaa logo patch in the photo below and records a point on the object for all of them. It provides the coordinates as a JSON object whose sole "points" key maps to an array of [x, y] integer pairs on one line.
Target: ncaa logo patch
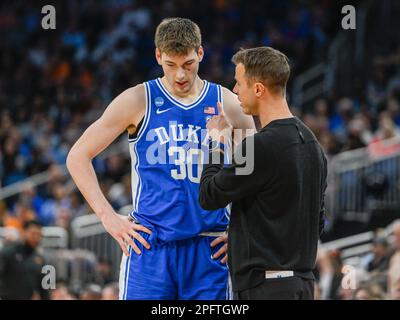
{"points": [[208, 118], [159, 101]]}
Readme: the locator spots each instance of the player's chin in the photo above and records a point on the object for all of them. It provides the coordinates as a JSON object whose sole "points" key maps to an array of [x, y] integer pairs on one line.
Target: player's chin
{"points": [[182, 89]]}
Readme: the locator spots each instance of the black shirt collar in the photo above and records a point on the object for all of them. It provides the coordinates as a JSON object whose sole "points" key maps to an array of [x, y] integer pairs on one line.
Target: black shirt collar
{"points": [[281, 121]]}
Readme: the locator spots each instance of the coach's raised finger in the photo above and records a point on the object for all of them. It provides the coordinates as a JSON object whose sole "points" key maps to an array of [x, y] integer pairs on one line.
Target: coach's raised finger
{"points": [[220, 109]]}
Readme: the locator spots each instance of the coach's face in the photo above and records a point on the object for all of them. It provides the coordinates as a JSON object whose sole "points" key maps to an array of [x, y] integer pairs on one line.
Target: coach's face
{"points": [[180, 70], [245, 91]]}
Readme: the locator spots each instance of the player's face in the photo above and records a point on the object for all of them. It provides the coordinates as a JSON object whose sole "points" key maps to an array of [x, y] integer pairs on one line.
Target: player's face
{"points": [[180, 70], [245, 91]]}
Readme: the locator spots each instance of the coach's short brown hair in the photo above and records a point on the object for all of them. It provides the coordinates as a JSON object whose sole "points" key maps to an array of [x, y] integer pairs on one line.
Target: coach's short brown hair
{"points": [[266, 65], [177, 36]]}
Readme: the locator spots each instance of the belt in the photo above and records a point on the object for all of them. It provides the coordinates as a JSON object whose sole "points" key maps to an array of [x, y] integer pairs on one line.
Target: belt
{"points": [[278, 274], [212, 234]]}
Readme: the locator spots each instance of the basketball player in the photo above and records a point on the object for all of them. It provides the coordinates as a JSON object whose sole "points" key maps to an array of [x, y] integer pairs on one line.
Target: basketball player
{"points": [[165, 118]]}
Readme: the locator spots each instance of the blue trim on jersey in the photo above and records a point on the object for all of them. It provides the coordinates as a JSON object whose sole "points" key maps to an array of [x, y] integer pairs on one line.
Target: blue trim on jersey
{"points": [[139, 178], [201, 96], [126, 274], [219, 93], [136, 184], [146, 114]]}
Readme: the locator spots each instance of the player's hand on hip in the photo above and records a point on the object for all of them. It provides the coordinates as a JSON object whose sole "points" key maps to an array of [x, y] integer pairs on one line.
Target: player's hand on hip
{"points": [[223, 249], [123, 230], [219, 128]]}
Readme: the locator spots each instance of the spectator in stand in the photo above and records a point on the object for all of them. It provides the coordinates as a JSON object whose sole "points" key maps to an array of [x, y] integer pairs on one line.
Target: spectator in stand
{"points": [[6, 220], [369, 291], [104, 274], [78, 208], [91, 292], [110, 292], [358, 134], [348, 287], [61, 292], [387, 128], [330, 144], [339, 121], [394, 279], [21, 266], [329, 267], [56, 208], [396, 235], [380, 256], [23, 213]]}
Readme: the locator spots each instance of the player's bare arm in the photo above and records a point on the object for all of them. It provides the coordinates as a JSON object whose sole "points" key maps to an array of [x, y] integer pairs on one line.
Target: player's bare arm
{"points": [[123, 113], [236, 117]]}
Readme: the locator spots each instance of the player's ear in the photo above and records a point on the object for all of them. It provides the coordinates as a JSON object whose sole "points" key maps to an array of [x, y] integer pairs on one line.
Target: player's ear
{"points": [[200, 53], [158, 56]]}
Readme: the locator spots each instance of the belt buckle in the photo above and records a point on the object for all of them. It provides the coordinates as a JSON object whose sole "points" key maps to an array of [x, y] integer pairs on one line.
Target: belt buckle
{"points": [[278, 274]]}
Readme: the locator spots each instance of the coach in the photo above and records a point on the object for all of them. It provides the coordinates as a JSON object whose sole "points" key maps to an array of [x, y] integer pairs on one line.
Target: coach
{"points": [[277, 211]]}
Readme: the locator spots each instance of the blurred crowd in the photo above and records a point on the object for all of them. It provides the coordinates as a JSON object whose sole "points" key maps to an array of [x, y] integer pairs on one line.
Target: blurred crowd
{"points": [[376, 276], [54, 83], [348, 123]]}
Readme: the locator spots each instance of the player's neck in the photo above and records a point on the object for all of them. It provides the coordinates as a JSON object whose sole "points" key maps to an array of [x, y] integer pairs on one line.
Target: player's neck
{"points": [[274, 110], [185, 97]]}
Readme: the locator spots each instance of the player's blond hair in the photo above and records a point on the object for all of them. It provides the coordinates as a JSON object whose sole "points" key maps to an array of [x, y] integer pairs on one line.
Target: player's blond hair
{"points": [[177, 36], [265, 65]]}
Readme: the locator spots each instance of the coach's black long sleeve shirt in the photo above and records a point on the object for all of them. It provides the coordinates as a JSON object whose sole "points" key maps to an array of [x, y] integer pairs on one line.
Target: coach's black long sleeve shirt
{"points": [[277, 208]]}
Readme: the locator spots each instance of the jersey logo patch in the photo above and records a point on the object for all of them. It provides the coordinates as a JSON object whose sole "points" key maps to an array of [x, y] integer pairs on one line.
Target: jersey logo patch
{"points": [[159, 101]]}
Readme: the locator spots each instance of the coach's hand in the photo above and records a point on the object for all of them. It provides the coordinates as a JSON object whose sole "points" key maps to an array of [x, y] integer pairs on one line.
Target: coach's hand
{"points": [[122, 230], [223, 249], [219, 128]]}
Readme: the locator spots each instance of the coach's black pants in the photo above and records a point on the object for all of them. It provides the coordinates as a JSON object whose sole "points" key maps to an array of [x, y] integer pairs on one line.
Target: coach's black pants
{"points": [[290, 288]]}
